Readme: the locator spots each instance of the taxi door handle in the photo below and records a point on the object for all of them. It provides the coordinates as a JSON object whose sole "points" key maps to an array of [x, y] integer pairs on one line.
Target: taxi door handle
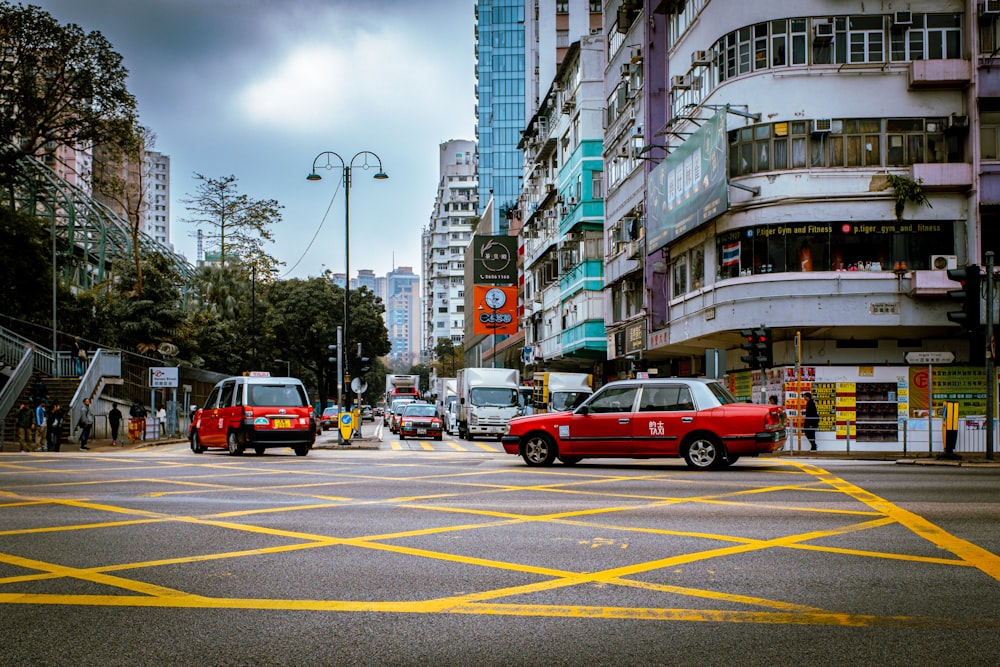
{"points": [[623, 421], [687, 420]]}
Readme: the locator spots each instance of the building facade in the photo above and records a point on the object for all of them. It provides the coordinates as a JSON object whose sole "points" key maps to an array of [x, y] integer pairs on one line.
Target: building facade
{"points": [[444, 241], [402, 316], [500, 111]]}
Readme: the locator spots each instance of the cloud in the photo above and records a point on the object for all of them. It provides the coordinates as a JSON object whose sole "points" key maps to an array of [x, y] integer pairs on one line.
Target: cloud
{"points": [[323, 87]]}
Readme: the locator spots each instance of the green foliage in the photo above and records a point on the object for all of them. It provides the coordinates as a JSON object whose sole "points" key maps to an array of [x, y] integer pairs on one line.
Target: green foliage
{"points": [[424, 371], [238, 225], [26, 269], [906, 190], [60, 85], [448, 357], [141, 322]]}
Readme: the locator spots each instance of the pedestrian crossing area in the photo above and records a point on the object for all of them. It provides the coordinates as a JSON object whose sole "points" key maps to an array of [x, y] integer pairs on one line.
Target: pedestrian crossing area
{"points": [[442, 446]]}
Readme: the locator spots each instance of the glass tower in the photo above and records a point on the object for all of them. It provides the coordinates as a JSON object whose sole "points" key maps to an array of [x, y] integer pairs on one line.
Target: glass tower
{"points": [[500, 108]]}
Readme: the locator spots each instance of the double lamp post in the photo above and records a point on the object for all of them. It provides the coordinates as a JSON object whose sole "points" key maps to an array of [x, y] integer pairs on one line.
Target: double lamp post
{"points": [[331, 160]]}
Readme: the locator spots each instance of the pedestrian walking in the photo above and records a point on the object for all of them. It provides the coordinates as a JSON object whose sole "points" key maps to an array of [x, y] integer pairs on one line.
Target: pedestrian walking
{"points": [[811, 421], [25, 426], [41, 424], [54, 426], [115, 422], [86, 423], [80, 353], [161, 419]]}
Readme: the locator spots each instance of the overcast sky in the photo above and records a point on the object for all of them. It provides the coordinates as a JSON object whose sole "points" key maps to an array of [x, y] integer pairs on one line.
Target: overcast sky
{"points": [[258, 88]]}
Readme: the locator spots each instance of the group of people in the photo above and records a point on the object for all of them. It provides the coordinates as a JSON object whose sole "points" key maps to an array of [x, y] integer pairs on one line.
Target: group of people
{"points": [[40, 422], [39, 428]]}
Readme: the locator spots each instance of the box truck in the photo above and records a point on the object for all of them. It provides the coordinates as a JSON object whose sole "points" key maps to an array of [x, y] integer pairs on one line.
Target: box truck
{"points": [[446, 398], [487, 401], [555, 392]]}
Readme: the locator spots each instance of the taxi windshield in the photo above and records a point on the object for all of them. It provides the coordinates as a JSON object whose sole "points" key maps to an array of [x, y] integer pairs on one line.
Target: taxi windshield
{"points": [[275, 396]]}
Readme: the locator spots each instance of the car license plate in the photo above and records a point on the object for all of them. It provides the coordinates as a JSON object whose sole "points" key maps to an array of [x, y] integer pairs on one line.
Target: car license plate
{"points": [[421, 431], [495, 429], [282, 423]]}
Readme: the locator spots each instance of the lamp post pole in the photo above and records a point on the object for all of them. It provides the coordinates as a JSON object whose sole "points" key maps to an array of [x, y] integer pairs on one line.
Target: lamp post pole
{"points": [[346, 167]]}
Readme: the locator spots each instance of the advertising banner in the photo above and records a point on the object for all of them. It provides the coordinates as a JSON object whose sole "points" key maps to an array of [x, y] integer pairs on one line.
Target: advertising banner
{"points": [[494, 260], [494, 310], [689, 187]]}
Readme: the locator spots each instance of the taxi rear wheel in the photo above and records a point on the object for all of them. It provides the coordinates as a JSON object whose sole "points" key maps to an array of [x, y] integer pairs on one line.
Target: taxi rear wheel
{"points": [[705, 453], [538, 449], [302, 450], [233, 444], [259, 451]]}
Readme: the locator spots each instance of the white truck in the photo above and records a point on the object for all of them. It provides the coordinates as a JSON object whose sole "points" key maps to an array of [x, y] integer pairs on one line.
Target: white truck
{"points": [[487, 401], [555, 392], [446, 398]]}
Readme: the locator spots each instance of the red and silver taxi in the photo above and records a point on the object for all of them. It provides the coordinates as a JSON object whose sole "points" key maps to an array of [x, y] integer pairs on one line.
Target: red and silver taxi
{"points": [[696, 419], [255, 412], [420, 420]]}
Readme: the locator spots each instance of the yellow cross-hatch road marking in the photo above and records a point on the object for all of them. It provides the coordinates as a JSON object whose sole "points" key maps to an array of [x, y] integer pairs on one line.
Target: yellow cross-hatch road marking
{"points": [[855, 511]]}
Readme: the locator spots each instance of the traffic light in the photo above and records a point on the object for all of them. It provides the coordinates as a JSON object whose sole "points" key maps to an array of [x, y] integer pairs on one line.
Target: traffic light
{"points": [[333, 353], [364, 365], [764, 350], [750, 345], [969, 316]]}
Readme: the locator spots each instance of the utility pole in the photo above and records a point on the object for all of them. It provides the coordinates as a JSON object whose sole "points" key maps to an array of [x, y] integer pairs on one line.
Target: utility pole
{"points": [[991, 376]]}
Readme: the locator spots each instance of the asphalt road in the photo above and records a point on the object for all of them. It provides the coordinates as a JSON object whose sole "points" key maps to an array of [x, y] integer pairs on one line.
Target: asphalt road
{"points": [[414, 555]]}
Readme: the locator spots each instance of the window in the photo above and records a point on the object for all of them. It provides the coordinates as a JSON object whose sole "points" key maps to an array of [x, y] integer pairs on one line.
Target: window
{"points": [[989, 135], [617, 399], [665, 399]]}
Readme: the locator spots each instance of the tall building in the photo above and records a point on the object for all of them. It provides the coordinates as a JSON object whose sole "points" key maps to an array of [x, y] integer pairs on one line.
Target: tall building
{"points": [[366, 278], [500, 76], [444, 241], [157, 211], [402, 316]]}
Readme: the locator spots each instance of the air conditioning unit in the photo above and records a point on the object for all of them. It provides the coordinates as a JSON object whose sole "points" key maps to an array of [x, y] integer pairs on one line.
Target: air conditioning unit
{"points": [[636, 56], [680, 82], [989, 7], [823, 32], [955, 122], [822, 125], [596, 31], [571, 201], [902, 21], [625, 70], [635, 131], [944, 262], [628, 285], [701, 58]]}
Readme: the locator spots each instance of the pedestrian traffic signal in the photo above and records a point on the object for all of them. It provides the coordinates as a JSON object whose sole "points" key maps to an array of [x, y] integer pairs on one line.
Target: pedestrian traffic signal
{"points": [[750, 345], [970, 315]]}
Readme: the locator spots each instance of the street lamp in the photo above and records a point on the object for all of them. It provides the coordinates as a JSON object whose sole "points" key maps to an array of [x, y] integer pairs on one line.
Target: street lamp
{"points": [[288, 366], [325, 161]]}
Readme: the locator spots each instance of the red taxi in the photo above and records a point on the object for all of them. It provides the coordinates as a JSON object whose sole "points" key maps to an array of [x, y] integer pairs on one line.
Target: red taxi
{"points": [[420, 419], [696, 419], [255, 412]]}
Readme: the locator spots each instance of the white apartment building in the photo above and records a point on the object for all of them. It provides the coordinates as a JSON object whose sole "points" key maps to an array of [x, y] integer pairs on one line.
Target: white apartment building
{"points": [[444, 241]]}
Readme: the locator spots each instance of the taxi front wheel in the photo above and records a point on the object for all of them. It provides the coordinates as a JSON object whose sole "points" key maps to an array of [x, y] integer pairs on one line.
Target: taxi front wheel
{"points": [[538, 450]]}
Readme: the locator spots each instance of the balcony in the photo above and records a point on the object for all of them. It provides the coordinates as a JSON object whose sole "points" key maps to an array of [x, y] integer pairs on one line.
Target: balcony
{"points": [[954, 73], [943, 175]]}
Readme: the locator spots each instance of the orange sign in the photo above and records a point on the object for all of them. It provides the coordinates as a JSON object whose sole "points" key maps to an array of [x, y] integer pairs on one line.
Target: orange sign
{"points": [[494, 310]]}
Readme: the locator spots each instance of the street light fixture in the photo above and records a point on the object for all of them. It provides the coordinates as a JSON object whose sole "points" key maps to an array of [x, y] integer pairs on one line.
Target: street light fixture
{"points": [[288, 366], [325, 160]]}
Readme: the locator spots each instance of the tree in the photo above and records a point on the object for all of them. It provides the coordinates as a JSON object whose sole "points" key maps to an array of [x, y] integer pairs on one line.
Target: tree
{"points": [[240, 224], [61, 86], [141, 322], [449, 357], [219, 321], [26, 271], [121, 178]]}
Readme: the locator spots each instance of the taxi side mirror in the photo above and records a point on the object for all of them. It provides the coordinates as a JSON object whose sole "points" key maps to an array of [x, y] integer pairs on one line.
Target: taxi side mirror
{"points": [[583, 410]]}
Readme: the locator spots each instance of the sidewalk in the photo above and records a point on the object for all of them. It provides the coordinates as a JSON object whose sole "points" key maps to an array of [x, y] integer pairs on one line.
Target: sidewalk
{"points": [[972, 459]]}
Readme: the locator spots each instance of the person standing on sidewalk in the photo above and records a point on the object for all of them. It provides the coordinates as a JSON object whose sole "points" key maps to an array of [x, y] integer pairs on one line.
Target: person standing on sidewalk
{"points": [[161, 419], [25, 424], [54, 426], [86, 423], [811, 421], [41, 425], [115, 422]]}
